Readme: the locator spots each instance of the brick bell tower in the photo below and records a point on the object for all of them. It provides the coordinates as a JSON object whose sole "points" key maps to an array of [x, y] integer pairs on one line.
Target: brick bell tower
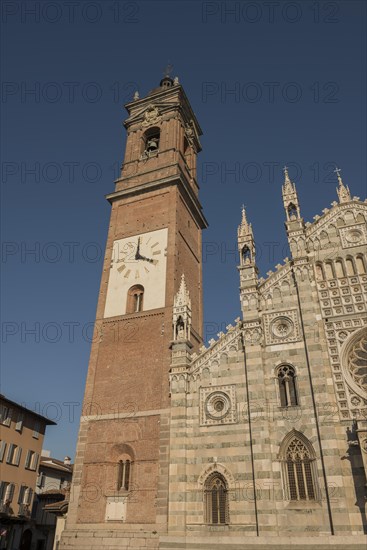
{"points": [[120, 485]]}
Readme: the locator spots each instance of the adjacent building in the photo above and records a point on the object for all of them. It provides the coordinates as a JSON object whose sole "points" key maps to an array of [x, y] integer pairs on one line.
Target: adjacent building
{"points": [[22, 433], [53, 486]]}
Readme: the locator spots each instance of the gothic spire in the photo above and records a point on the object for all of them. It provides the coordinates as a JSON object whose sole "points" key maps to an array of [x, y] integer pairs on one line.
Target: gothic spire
{"points": [[182, 312], [290, 198], [342, 190], [245, 228], [246, 244]]}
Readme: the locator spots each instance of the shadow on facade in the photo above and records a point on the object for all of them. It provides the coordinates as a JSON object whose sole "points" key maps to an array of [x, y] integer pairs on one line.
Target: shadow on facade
{"points": [[354, 456]]}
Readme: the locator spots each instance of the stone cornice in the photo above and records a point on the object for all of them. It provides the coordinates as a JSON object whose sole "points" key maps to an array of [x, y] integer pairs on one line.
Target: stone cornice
{"points": [[328, 215], [273, 278], [215, 346]]}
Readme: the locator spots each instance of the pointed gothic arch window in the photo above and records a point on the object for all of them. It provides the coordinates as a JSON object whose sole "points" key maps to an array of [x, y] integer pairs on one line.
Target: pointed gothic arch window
{"points": [[245, 255], [286, 376], [216, 499], [180, 332], [292, 211], [299, 468], [135, 299]]}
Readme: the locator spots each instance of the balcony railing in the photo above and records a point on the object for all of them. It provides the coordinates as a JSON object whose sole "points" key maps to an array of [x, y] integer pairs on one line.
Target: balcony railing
{"points": [[24, 510], [4, 508]]}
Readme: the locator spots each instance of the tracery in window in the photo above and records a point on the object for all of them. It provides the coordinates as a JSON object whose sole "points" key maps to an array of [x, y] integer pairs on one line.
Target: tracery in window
{"points": [[299, 468], [216, 499]]}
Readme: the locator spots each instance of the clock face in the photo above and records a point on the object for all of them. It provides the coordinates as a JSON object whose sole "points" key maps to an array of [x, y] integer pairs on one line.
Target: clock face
{"points": [[137, 260]]}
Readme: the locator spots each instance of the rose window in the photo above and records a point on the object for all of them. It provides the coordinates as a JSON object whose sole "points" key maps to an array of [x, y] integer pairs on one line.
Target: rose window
{"points": [[217, 405], [357, 361], [282, 327]]}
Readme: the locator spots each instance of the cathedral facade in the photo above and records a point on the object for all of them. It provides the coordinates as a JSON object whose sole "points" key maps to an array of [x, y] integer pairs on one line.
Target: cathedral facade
{"points": [[257, 440]]}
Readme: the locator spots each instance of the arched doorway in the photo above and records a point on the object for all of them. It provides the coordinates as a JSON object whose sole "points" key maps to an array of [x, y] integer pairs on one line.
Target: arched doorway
{"points": [[26, 540]]}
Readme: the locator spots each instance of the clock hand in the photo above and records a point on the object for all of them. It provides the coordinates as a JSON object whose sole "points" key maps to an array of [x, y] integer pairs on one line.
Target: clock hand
{"points": [[137, 254], [147, 259]]}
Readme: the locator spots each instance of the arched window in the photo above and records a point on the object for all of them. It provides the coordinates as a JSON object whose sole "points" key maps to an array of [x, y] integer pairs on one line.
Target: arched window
{"points": [[292, 211], [339, 268], [216, 499], [245, 255], [350, 267], [299, 469], [151, 142], [123, 475], [329, 271], [319, 272], [287, 386], [360, 265], [135, 297]]}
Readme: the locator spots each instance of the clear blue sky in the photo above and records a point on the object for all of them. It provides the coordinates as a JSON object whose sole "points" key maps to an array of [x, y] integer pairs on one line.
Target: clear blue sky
{"points": [[270, 85]]}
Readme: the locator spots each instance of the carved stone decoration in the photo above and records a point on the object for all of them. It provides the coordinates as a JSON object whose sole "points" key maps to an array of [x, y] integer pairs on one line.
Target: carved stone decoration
{"points": [[253, 335], [354, 362], [353, 236], [218, 405], [151, 115], [281, 327], [364, 445], [190, 132], [355, 401]]}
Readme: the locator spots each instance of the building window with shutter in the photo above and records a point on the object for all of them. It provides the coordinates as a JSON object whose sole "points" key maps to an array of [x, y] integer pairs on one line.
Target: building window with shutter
{"points": [[2, 450], [24, 500], [31, 461], [13, 454], [216, 500], [299, 468], [287, 385], [5, 415], [19, 424], [36, 429], [6, 493]]}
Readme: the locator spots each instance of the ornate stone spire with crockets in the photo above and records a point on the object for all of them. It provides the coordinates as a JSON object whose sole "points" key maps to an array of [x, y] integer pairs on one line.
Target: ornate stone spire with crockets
{"points": [[290, 198], [182, 313], [294, 223], [247, 268], [246, 244], [342, 190]]}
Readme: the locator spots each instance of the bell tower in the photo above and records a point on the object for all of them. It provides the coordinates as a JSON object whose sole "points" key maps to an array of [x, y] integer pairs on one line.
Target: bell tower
{"points": [[120, 481]]}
